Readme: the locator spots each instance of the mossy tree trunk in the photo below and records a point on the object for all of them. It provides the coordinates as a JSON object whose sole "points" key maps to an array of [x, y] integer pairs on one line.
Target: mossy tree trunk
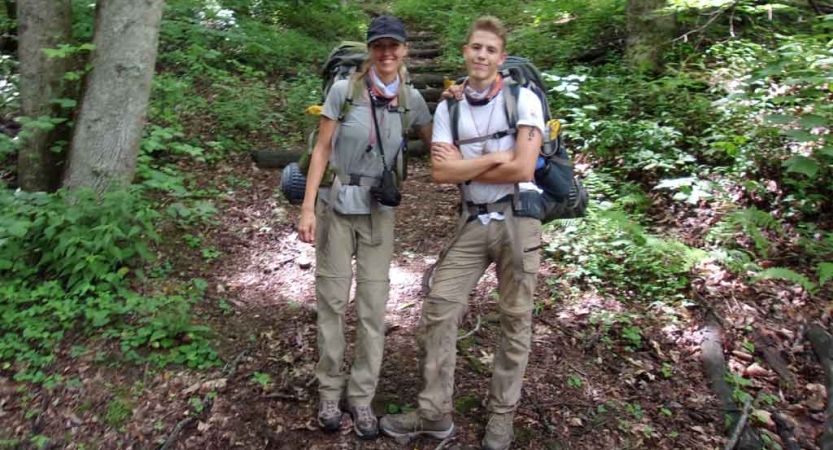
{"points": [[650, 26], [43, 24]]}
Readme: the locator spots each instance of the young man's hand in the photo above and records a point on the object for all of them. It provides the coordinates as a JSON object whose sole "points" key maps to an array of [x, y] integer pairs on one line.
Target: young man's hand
{"points": [[443, 151]]}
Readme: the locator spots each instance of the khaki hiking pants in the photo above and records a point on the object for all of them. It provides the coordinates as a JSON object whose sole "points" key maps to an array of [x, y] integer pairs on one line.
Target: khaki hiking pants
{"points": [[347, 236], [454, 278]]}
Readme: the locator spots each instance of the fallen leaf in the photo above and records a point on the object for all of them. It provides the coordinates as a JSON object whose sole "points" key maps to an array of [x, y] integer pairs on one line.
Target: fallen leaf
{"points": [[755, 370], [214, 385], [190, 390], [764, 418]]}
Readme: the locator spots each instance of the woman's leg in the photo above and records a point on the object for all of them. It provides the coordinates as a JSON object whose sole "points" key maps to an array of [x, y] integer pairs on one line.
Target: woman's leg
{"points": [[372, 291], [332, 290]]}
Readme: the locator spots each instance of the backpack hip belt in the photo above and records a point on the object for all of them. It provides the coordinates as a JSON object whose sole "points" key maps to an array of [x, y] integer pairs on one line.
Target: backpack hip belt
{"points": [[359, 180], [528, 205]]}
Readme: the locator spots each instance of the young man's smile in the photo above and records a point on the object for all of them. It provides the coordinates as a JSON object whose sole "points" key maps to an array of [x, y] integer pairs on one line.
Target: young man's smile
{"points": [[483, 54]]}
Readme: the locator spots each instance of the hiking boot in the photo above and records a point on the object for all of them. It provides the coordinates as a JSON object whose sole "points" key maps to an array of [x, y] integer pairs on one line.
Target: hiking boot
{"points": [[329, 415], [500, 431], [411, 425], [365, 423]]}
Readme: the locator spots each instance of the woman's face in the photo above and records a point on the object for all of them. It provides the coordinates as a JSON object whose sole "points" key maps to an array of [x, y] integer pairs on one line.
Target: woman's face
{"points": [[386, 55]]}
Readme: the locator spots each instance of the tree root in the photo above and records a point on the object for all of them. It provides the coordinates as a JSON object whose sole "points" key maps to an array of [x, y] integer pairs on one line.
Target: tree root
{"points": [[474, 330], [823, 347], [785, 431], [207, 402], [714, 365]]}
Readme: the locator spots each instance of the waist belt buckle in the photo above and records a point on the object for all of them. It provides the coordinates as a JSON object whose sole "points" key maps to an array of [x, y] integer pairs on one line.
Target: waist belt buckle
{"points": [[355, 180]]}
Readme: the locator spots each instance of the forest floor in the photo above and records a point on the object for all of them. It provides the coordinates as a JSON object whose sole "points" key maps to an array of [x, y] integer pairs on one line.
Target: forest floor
{"points": [[590, 384]]}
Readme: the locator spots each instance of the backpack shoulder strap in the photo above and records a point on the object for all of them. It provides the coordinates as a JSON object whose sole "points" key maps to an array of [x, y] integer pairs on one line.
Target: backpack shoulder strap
{"points": [[403, 99], [511, 93], [354, 94], [454, 119]]}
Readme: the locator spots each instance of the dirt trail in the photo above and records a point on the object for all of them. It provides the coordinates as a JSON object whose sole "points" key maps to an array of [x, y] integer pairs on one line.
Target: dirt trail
{"points": [[580, 391]]}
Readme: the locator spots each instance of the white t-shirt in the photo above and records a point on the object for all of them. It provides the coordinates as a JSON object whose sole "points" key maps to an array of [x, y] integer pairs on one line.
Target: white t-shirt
{"points": [[484, 120]]}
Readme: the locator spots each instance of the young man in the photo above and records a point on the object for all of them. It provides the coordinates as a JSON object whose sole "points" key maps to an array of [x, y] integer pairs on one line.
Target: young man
{"points": [[494, 165]]}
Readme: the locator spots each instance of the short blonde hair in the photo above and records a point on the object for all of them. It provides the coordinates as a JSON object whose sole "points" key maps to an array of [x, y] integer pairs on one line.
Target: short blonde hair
{"points": [[490, 24]]}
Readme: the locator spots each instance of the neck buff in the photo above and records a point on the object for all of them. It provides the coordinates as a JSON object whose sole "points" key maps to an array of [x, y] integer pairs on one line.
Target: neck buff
{"points": [[476, 98]]}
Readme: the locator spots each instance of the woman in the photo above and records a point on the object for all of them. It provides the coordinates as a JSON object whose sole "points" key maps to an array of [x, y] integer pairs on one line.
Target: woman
{"points": [[360, 134]]}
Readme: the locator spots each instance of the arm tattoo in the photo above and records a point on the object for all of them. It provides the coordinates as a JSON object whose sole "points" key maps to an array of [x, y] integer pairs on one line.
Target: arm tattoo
{"points": [[531, 133]]}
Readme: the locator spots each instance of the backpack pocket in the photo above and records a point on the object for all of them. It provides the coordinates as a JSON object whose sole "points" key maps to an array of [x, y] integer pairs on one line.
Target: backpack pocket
{"points": [[555, 178]]}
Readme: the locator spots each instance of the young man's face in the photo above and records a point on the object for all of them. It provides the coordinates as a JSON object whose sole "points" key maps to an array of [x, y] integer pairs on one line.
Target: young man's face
{"points": [[484, 55]]}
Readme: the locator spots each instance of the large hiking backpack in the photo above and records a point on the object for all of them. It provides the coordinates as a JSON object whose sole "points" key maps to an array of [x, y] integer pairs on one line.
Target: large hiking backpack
{"points": [[343, 63], [564, 196]]}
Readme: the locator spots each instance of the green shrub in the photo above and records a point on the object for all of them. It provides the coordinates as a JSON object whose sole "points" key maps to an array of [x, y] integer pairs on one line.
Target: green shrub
{"points": [[65, 266]]}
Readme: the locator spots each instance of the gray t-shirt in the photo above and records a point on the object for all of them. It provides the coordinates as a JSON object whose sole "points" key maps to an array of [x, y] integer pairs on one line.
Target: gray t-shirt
{"points": [[355, 133]]}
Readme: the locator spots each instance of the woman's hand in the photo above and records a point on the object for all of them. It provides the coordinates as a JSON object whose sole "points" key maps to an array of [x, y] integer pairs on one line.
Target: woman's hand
{"points": [[453, 91], [306, 226]]}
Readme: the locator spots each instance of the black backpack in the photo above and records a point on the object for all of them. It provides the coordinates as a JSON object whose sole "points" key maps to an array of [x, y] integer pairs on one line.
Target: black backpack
{"points": [[564, 196]]}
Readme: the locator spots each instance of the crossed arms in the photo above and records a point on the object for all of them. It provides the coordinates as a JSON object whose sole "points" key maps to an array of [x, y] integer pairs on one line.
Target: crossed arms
{"points": [[513, 166]]}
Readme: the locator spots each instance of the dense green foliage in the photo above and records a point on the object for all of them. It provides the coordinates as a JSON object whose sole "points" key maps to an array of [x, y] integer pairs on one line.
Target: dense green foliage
{"points": [[736, 128], [739, 122], [75, 267]]}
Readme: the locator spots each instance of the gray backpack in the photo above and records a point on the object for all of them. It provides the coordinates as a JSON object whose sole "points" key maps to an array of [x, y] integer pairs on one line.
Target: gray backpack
{"points": [[343, 63]]}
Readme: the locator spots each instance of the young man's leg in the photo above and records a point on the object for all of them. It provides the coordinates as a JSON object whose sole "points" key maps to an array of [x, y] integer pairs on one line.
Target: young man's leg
{"points": [[515, 303], [372, 291], [333, 276], [452, 281]]}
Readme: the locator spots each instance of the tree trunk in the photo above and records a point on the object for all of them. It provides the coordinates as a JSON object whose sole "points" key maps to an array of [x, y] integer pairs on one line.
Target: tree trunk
{"points": [[43, 24], [650, 27], [8, 43], [108, 131]]}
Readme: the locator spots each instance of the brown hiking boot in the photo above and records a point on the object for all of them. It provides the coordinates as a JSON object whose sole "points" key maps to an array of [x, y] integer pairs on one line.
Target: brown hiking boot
{"points": [[500, 431], [411, 425], [364, 422], [329, 415]]}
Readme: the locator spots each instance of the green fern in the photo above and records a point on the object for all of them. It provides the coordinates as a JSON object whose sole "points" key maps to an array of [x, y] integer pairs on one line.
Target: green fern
{"points": [[782, 273], [751, 222], [825, 272]]}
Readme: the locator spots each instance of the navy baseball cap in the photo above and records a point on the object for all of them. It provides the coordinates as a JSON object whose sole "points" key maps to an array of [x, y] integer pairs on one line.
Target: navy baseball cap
{"points": [[386, 26]]}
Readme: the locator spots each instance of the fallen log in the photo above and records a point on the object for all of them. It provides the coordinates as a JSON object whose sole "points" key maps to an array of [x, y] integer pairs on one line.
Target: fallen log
{"points": [[421, 80], [424, 53], [431, 94], [275, 159], [714, 365], [773, 357], [823, 348]]}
